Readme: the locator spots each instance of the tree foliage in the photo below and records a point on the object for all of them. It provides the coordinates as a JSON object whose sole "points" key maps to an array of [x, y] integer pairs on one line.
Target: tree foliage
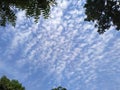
{"points": [[7, 84], [59, 88], [105, 13], [33, 8]]}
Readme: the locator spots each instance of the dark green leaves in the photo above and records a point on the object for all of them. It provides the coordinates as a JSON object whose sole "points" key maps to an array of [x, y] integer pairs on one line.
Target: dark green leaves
{"points": [[33, 8], [106, 13], [59, 88], [6, 84]]}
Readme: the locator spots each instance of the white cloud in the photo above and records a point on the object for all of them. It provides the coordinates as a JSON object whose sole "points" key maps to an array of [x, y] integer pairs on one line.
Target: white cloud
{"points": [[64, 47]]}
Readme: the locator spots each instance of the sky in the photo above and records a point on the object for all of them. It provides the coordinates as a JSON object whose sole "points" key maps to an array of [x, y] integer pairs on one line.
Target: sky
{"points": [[63, 50]]}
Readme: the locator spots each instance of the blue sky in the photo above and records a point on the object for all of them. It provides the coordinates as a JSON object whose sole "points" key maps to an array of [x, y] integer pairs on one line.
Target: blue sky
{"points": [[62, 50]]}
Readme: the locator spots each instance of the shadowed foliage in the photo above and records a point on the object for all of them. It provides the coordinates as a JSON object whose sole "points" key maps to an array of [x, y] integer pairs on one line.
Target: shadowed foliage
{"points": [[59, 88], [105, 13], [7, 84], [33, 8]]}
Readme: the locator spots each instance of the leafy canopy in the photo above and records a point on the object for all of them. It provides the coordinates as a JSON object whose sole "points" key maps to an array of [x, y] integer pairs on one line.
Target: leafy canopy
{"points": [[33, 8], [105, 13], [59, 88], [7, 84]]}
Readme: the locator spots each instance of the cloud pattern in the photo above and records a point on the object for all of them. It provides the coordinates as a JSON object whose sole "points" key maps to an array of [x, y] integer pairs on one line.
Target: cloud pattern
{"points": [[62, 50]]}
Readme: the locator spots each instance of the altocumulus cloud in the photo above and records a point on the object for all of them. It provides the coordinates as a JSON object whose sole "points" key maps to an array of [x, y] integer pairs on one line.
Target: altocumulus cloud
{"points": [[62, 50]]}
